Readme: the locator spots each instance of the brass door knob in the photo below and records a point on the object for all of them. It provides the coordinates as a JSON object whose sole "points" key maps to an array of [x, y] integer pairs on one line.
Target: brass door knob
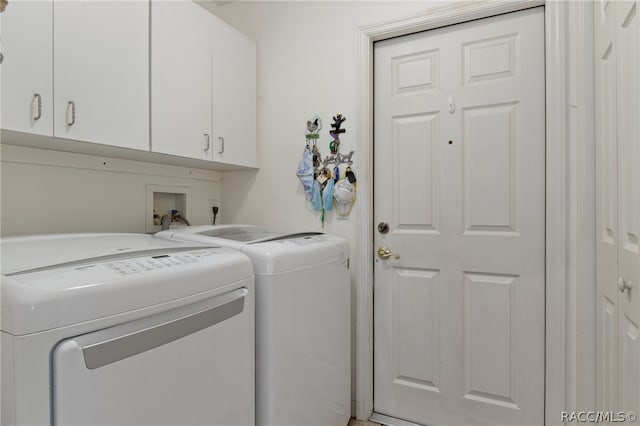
{"points": [[384, 253]]}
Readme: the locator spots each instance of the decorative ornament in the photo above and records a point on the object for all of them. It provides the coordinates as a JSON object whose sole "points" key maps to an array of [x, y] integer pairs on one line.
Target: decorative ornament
{"points": [[335, 131]]}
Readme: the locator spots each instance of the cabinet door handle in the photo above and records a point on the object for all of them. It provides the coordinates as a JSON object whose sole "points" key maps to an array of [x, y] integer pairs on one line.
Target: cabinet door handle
{"points": [[221, 140], [207, 142], [38, 99], [73, 113]]}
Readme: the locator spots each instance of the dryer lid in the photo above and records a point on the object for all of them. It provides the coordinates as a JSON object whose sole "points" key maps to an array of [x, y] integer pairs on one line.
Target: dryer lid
{"points": [[35, 252], [59, 280]]}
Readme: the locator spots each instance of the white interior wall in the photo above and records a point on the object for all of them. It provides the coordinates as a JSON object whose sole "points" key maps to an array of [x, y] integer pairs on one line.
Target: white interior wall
{"points": [[307, 65], [44, 191]]}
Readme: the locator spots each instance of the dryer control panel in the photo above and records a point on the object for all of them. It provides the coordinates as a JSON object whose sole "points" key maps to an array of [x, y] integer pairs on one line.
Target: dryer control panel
{"points": [[134, 266]]}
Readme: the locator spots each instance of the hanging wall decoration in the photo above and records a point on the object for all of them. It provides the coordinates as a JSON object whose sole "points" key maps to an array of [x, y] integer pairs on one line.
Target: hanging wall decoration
{"points": [[323, 184], [310, 157]]}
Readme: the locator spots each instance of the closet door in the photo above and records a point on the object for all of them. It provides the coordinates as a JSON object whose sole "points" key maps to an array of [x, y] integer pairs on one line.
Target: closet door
{"points": [[618, 206], [628, 118], [607, 207]]}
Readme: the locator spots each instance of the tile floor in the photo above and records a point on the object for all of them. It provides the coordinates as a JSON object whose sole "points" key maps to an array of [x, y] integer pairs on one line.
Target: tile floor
{"points": [[355, 422]]}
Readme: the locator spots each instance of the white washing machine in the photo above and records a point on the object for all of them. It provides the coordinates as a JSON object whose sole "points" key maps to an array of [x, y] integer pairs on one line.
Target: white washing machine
{"points": [[125, 329], [303, 321]]}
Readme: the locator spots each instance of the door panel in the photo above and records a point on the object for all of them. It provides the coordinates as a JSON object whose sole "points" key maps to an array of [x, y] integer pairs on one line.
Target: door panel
{"points": [[459, 155], [416, 188], [607, 354], [608, 152], [628, 113], [490, 370], [490, 59], [416, 352], [488, 133], [629, 365]]}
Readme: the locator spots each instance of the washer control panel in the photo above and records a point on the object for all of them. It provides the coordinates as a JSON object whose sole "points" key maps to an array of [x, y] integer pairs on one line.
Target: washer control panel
{"points": [[304, 241]]}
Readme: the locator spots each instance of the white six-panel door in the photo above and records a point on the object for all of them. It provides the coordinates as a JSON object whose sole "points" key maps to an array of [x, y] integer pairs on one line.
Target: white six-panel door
{"points": [[459, 155], [617, 43]]}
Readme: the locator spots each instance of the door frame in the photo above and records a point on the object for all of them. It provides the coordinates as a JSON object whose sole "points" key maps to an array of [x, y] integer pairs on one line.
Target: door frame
{"points": [[557, 164]]}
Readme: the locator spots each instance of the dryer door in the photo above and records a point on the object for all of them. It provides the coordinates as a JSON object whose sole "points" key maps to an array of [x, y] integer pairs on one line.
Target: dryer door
{"points": [[190, 366]]}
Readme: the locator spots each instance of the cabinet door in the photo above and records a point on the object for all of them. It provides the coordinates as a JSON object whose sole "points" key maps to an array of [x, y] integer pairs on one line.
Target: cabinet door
{"points": [[181, 79], [27, 78], [101, 69], [234, 96]]}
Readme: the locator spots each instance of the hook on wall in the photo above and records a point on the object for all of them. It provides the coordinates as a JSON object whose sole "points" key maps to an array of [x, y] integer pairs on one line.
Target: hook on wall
{"points": [[338, 159]]}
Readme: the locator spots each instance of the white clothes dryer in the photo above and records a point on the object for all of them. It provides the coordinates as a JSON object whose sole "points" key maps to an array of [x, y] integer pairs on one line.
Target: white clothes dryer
{"points": [[125, 329], [303, 321]]}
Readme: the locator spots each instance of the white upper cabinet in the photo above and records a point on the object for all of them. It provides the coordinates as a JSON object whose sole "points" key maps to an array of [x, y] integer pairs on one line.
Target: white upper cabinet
{"points": [[181, 43], [101, 72], [27, 78], [164, 76], [234, 96], [203, 80]]}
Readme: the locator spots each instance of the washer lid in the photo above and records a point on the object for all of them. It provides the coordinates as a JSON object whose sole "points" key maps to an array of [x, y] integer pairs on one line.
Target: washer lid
{"points": [[240, 234], [270, 252], [58, 280], [297, 251]]}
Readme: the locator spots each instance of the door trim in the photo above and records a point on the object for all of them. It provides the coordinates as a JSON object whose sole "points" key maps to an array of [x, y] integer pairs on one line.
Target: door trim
{"points": [[557, 163]]}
